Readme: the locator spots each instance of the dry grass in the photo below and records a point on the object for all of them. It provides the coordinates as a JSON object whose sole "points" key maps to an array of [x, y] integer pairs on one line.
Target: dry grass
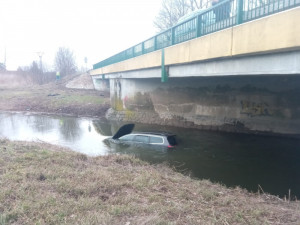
{"points": [[44, 184], [55, 100]]}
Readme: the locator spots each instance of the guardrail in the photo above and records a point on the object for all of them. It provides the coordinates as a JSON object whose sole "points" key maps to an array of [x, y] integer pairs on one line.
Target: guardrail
{"points": [[225, 14]]}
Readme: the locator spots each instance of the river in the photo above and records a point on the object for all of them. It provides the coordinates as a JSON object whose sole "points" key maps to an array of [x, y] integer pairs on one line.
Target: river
{"points": [[247, 161]]}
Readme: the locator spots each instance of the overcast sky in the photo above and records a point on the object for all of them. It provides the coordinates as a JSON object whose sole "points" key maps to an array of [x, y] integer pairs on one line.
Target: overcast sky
{"points": [[95, 29]]}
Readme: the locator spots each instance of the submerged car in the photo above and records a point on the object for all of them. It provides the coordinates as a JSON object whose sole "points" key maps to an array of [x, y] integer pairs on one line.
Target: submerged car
{"points": [[125, 135]]}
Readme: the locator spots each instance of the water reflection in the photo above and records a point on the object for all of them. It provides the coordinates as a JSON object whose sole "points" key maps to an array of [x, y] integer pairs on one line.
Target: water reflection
{"points": [[70, 129], [231, 159], [103, 128], [77, 134], [40, 124]]}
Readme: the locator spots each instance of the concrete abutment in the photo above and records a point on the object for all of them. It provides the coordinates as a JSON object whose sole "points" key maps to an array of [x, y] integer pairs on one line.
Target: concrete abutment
{"points": [[266, 104]]}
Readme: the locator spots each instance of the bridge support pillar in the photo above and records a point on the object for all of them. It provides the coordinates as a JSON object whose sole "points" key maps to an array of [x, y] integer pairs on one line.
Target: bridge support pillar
{"points": [[164, 69]]}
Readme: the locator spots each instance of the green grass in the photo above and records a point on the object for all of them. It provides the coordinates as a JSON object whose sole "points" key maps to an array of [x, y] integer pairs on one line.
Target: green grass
{"points": [[44, 184]]}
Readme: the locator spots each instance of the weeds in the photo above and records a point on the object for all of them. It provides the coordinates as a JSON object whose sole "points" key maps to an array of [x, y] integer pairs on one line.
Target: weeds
{"points": [[45, 184]]}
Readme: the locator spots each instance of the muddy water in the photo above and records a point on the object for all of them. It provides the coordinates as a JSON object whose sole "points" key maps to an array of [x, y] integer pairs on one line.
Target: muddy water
{"points": [[234, 160]]}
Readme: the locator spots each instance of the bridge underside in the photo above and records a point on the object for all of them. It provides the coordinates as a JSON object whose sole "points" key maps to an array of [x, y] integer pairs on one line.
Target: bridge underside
{"points": [[246, 104], [253, 94]]}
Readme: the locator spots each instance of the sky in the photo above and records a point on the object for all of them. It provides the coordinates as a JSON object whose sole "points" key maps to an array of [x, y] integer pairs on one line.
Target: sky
{"points": [[96, 29]]}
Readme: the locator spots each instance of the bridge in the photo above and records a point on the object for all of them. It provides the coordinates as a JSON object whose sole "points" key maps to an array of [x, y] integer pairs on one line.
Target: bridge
{"points": [[233, 67]]}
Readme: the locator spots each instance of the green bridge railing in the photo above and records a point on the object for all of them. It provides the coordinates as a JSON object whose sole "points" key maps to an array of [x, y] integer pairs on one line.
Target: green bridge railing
{"points": [[226, 13]]}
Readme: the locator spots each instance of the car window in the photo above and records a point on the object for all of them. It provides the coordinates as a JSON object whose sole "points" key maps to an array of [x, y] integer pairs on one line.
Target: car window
{"points": [[141, 138], [156, 140], [127, 137], [172, 140]]}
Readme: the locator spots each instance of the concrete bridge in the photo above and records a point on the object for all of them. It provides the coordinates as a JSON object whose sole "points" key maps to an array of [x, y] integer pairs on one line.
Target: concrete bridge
{"points": [[244, 77]]}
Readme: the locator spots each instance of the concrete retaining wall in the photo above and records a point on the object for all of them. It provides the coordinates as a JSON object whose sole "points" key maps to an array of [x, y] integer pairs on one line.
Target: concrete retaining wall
{"points": [[247, 104]]}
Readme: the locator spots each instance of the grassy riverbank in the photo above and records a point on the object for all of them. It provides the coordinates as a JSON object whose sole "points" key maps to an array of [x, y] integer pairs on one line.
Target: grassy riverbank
{"points": [[55, 100], [45, 184]]}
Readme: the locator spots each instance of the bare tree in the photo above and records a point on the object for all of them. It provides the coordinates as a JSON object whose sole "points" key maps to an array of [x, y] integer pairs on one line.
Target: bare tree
{"points": [[199, 4], [34, 68], [169, 14], [32, 73], [36, 73], [172, 10], [65, 62]]}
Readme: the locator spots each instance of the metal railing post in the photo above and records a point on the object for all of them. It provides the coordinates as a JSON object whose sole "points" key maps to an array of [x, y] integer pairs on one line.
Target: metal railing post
{"points": [[173, 35], [164, 74], [199, 25], [239, 13]]}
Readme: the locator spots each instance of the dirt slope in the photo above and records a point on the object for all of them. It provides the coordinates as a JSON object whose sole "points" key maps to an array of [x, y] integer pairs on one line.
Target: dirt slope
{"points": [[83, 81]]}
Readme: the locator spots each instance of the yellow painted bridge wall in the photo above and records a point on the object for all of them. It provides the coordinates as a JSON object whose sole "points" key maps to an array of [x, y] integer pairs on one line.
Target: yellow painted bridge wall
{"points": [[278, 32]]}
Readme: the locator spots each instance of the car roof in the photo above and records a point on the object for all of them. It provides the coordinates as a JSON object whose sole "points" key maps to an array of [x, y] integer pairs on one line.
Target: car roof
{"points": [[155, 133]]}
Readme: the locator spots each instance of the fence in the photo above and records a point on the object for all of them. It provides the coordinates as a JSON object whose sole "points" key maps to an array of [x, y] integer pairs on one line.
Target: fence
{"points": [[226, 13]]}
